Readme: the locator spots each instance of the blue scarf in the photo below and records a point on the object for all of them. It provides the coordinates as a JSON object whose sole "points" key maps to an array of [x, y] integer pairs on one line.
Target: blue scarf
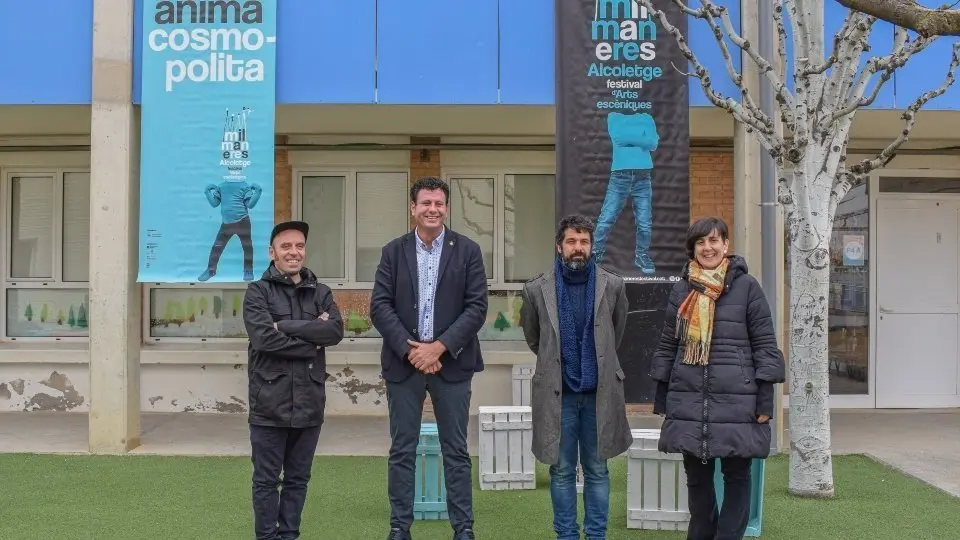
{"points": [[577, 346]]}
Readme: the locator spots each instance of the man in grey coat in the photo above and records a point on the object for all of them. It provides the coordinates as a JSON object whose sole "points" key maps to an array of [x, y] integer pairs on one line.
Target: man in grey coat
{"points": [[573, 320]]}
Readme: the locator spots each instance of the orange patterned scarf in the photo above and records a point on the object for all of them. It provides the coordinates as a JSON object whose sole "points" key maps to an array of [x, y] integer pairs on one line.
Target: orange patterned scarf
{"points": [[695, 316]]}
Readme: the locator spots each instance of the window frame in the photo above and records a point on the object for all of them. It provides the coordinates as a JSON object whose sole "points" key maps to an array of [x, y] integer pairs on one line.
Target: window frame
{"points": [[349, 202], [7, 281], [499, 174]]}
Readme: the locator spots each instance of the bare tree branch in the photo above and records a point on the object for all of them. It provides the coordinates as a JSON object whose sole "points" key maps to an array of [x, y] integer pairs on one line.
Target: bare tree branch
{"points": [[909, 119], [784, 96], [903, 50], [768, 138], [707, 15], [911, 15]]}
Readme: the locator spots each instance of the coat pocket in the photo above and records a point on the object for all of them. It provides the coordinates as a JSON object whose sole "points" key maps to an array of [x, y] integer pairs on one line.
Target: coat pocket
{"points": [[743, 367], [271, 393]]}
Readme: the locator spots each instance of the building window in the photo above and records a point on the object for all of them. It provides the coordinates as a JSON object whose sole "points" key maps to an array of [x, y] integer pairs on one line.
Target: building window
{"points": [[512, 217], [849, 315], [352, 215], [47, 254]]}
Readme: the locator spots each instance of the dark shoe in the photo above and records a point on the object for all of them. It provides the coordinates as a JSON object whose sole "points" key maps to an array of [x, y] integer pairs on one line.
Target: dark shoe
{"points": [[248, 275], [397, 534], [466, 534], [206, 275], [645, 263]]}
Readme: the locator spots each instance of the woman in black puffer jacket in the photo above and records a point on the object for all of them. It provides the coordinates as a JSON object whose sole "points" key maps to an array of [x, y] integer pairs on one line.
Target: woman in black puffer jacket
{"points": [[715, 369]]}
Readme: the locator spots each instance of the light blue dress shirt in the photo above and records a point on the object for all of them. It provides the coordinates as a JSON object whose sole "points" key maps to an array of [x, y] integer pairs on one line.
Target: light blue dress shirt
{"points": [[428, 271]]}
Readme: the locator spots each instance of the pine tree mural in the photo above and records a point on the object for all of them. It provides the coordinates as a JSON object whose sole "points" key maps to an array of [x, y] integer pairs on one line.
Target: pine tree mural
{"points": [[191, 310], [60, 317], [203, 305], [72, 317], [236, 305], [44, 313], [28, 314], [501, 323], [82, 316], [217, 306]]}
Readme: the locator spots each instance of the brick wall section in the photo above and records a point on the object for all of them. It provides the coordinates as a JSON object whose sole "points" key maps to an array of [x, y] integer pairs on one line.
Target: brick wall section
{"points": [[282, 183], [711, 185]]}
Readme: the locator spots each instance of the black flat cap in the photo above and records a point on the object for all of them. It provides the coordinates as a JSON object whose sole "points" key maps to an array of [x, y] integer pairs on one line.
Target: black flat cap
{"points": [[290, 226]]}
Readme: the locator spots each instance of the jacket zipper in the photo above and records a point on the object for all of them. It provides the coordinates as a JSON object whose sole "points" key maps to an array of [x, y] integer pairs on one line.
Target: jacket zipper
{"points": [[706, 415]]}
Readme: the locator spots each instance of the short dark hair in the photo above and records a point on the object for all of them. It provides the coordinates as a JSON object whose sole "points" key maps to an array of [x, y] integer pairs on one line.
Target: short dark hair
{"points": [[429, 183], [702, 228], [578, 223]]}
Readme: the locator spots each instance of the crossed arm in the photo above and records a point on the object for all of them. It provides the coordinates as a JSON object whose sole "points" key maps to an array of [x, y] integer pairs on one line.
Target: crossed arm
{"points": [[295, 340]]}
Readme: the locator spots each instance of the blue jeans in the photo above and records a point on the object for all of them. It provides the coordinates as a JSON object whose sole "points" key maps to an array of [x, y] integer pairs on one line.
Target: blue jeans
{"points": [[578, 431], [633, 183]]}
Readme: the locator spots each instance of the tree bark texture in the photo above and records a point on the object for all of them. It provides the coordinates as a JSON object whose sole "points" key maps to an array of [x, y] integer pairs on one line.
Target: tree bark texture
{"points": [[809, 222]]}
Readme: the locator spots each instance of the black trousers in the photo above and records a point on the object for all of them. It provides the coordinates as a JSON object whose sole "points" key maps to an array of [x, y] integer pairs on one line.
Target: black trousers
{"points": [[227, 230], [705, 523], [451, 406], [276, 515]]}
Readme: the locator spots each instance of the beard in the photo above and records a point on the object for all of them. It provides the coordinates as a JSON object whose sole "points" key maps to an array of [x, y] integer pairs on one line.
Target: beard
{"points": [[576, 261]]}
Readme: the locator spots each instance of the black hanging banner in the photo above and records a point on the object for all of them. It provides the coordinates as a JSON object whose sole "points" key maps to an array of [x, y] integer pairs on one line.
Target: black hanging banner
{"points": [[623, 141]]}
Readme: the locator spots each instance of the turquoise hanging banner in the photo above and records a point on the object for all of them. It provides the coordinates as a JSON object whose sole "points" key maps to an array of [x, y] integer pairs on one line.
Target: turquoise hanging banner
{"points": [[207, 140]]}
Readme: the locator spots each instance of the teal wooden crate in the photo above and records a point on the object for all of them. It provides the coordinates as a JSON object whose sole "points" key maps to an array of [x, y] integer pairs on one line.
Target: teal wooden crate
{"points": [[430, 491], [757, 471]]}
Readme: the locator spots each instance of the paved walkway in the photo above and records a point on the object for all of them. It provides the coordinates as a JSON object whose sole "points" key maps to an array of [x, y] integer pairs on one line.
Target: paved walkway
{"points": [[925, 444]]}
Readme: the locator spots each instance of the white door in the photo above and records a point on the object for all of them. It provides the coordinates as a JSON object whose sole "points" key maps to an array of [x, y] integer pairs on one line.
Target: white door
{"points": [[918, 303]]}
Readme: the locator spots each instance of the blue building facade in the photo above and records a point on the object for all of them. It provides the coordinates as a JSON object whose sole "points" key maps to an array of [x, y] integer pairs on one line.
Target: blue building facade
{"points": [[434, 52]]}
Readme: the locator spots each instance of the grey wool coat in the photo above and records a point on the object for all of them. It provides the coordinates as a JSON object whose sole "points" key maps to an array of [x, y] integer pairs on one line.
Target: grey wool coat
{"points": [[540, 321]]}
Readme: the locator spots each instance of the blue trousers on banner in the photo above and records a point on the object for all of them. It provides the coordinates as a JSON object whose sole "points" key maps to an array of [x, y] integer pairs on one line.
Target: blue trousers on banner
{"points": [[636, 185]]}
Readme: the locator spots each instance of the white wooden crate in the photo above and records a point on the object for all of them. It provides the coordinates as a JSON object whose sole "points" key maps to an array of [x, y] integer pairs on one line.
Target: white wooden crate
{"points": [[656, 485], [506, 456], [522, 373]]}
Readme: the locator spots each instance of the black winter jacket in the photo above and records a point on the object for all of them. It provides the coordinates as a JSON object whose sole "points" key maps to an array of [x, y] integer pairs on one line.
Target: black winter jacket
{"points": [[287, 365], [711, 411]]}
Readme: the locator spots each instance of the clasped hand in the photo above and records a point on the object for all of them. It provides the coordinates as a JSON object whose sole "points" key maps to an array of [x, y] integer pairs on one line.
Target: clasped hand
{"points": [[425, 356]]}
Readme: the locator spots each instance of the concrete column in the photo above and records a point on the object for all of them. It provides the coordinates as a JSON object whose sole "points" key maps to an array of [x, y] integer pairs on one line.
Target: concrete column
{"points": [[114, 191], [746, 165]]}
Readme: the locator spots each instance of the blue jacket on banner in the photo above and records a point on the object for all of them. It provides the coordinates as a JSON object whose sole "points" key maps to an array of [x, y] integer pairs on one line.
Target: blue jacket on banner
{"points": [[633, 137]]}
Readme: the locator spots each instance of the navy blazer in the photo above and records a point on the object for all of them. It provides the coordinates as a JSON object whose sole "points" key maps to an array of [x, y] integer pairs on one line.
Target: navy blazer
{"points": [[459, 312]]}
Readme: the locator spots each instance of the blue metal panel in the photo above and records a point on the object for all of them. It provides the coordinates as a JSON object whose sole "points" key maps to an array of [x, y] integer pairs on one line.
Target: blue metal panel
{"points": [[437, 51], [704, 45], [45, 52], [326, 51], [527, 51], [927, 71]]}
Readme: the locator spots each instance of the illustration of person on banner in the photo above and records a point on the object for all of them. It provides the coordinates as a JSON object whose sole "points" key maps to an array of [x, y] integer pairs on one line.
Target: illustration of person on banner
{"points": [[235, 196], [633, 138]]}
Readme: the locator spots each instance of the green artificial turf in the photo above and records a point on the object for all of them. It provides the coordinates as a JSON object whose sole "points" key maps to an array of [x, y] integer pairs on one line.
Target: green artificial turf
{"points": [[141, 497]]}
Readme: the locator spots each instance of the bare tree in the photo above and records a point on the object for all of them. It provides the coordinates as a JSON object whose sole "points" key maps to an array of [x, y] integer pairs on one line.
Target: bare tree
{"points": [[813, 174]]}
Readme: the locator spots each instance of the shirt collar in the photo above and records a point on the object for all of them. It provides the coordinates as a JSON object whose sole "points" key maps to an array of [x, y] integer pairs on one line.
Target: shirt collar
{"points": [[437, 242]]}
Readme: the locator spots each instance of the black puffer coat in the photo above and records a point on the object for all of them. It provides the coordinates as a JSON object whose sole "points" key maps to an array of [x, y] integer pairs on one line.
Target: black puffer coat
{"points": [[711, 411]]}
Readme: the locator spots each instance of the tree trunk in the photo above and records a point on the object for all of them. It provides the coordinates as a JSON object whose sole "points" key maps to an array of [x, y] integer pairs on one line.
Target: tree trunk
{"points": [[811, 465]]}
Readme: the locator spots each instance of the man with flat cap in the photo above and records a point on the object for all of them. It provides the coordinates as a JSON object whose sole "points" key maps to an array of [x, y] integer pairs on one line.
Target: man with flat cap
{"points": [[290, 318]]}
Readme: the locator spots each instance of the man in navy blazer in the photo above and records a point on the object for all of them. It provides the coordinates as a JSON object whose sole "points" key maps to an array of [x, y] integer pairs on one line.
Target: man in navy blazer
{"points": [[429, 303]]}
